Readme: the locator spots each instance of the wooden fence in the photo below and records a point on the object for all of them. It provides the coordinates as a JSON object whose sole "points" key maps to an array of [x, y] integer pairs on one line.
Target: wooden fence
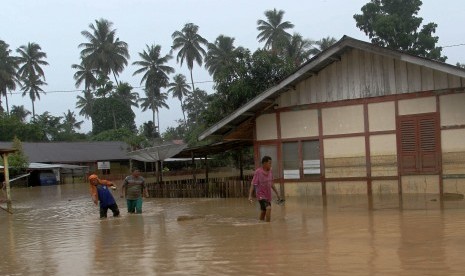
{"points": [[223, 187]]}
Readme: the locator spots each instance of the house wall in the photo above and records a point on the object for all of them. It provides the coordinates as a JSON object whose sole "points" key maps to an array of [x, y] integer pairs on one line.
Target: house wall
{"points": [[360, 74], [266, 127], [301, 123], [359, 147], [453, 142]]}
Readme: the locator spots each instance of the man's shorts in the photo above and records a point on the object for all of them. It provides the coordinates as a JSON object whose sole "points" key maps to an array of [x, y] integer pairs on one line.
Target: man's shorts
{"points": [[263, 204]]}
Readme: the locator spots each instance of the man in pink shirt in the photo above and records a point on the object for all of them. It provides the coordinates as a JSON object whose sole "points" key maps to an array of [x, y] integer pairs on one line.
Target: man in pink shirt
{"points": [[263, 183]]}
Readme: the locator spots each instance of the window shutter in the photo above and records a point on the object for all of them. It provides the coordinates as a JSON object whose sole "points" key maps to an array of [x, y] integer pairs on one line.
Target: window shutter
{"points": [[408, 138], [419, 143], [428, 144]]}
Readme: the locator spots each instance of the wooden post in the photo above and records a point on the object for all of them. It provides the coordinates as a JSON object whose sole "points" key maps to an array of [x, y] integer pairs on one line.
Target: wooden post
{"points": [[7, 181], [206, 168], [241, 166]]}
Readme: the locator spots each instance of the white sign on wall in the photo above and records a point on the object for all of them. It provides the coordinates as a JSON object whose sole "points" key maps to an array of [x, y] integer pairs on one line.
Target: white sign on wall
{"points": [[104, 165]]}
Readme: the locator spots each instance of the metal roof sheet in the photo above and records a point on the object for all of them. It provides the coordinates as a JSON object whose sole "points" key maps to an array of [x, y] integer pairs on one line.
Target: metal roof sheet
{"points": [[72, 152]]}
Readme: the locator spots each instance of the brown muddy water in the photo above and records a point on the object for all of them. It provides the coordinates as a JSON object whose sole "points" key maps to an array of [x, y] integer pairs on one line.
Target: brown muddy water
{"points": [[56, 231]]}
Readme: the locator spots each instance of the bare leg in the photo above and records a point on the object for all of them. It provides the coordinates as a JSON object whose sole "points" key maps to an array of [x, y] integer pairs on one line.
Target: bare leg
{"points": [[262, 215], [268, 214]]}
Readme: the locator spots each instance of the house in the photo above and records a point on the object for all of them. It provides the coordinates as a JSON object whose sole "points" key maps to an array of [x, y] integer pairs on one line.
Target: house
{"points": [[62, 157], [359, 119]]}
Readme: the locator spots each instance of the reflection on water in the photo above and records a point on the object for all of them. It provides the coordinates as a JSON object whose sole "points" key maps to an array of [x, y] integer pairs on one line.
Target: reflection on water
{"points": [[56, 230]]}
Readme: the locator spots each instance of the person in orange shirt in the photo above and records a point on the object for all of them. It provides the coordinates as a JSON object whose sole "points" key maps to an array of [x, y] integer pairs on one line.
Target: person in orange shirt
{"points": [[99, 190]]}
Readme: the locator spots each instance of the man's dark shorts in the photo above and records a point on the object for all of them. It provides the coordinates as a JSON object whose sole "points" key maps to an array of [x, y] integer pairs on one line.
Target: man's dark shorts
{"points": [[263, 204]]}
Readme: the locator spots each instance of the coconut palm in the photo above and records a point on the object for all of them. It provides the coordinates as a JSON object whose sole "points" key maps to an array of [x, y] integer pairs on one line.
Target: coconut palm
{"points": [[20, 112], [8, 69], [124, 92], [84, 74], [323, 44], [104, 51], [32, 86], [85, 103], [154, 100], [273, 31], [222, 56], [154, 67], [30, 72], [189, 43], [179, 89], [298, 49], [70, 122], [30, 60]]}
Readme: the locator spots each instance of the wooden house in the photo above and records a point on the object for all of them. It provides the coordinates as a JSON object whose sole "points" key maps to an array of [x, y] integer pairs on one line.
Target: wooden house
{"points": [[359, 119]]}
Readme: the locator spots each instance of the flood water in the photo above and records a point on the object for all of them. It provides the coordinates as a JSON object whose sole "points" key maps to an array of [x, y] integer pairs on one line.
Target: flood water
{"points": [[56, 230]]}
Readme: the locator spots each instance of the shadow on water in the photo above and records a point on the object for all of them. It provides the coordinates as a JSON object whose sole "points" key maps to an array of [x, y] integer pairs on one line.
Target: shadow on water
{"points": [[56, 230]]}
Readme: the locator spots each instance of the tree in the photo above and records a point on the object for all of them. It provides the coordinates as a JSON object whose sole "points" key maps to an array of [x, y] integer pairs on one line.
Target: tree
{"points": [[323, 44], [125, 94], [8, 76], [222, 57], [70, 123], [154, 100], [298, 49], [149, 130], [32, 86], [30, 72], [30, 60], [20, 112], [256, 73], [460, 65], [160, 102], [84, 74], [154, 67], [24, 131], [394, 24], [273, 31], [18, 160], [50, 125], [104, 52], [189, 43], [85, 103], [196, 103], [112, 113], [179, 89]]}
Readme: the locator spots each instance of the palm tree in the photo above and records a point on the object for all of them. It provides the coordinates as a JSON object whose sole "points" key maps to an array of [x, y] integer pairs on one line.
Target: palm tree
{"points": [[30, 59], [124, 92], [20, 112], [84, 74], [222, 56], [179, 89], [153, 66], [70, 122], [8, 69], [104, 52], [32, 86], [273, 31], [189, 42], [298, 50], [30, 71], [154, 100], [85, 104], [323, 44]]}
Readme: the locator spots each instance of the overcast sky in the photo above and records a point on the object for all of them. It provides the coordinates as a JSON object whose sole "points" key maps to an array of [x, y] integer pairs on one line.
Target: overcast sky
{"points": [[56, 26]]}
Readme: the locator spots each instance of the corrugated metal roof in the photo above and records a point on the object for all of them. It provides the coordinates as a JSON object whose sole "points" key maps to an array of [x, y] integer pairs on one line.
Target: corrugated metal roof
{"points": [[156, 153], [266, 99], [71, 152]]}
